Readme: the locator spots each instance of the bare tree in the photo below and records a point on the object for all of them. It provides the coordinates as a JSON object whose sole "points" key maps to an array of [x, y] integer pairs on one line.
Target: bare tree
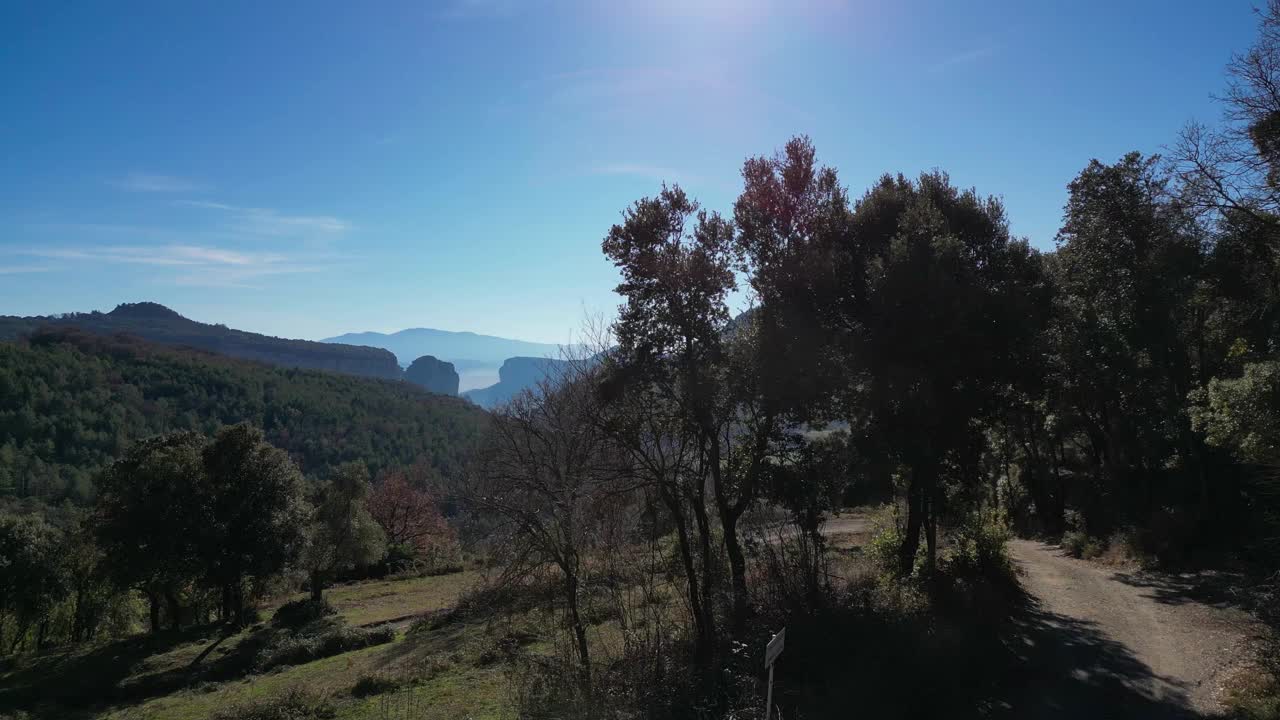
{"points": [[549, 476], [1234, 168]]}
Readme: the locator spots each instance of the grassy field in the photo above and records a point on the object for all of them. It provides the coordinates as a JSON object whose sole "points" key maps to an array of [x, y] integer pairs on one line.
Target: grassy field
{"points": [[432, 668], [381, 601], [447, 672]]}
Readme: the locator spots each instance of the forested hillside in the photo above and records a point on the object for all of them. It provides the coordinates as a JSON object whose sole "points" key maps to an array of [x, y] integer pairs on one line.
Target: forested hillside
{"points": [[158, 323], [73, 402]]}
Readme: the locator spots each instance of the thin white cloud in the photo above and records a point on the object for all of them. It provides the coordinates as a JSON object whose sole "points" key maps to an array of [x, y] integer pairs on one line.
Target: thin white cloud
{"points": [[206, 205], [195, 264], [964, 58], [151, 183], [21, 269], [266, 221]]}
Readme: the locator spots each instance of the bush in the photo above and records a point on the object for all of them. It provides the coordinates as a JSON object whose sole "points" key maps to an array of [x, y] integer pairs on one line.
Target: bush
{"points": [[981, 546], [885, 544], [296, 614], [296, 650], [1074, 542], [369, 685], [1092, 550], [293, 705]]}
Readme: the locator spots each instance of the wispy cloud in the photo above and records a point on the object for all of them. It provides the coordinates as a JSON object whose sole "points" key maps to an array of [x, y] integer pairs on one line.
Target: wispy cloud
{"points": [[194, 264], [150, 183], [21, 269], [964, 58], [265, 221]]}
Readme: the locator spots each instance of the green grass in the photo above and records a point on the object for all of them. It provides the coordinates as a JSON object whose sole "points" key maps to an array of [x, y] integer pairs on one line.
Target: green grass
{"points": [[441, 671], [379, 601], [144, 678]]}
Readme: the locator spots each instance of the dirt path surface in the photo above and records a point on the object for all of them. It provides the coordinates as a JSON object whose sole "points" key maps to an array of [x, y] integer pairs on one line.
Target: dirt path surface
{"points": [[1096, 642]]}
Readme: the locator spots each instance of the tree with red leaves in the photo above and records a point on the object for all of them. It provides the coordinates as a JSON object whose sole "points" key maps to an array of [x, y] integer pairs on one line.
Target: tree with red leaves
{"points": [[408, 512]]}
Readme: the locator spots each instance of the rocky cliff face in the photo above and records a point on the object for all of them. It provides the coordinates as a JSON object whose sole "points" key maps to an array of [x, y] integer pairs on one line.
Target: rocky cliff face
{"points": [[437, 376], [515, 375]]}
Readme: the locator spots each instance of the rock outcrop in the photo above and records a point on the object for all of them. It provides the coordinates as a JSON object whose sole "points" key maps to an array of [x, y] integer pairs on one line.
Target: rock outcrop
{"points": [[435, 375], [515, 375]]}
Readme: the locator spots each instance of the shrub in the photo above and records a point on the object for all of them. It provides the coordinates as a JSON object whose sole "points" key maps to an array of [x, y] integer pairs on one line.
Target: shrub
{"points": [[885, 544], [296, 614], [293, 705], [1074, 542], [299, 649], [981, 546], [1092, 550], [369, 685]]}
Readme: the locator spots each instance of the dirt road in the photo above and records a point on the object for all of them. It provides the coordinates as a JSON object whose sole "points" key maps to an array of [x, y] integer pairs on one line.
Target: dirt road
{"points": [[1095, 642]]}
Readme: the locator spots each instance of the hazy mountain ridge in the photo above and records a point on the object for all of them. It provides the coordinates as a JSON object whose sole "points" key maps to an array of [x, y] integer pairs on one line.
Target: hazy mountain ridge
{"points": [[476, 358], [465, 350], [103, 392], [159, 324]]}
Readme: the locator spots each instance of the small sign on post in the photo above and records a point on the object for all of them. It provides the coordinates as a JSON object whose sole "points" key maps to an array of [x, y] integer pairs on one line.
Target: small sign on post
{"points": [[771, 653]]}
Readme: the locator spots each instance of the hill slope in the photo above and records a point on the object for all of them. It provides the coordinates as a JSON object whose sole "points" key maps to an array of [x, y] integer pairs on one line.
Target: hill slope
{"points": [[159, 324], [70, 402]]}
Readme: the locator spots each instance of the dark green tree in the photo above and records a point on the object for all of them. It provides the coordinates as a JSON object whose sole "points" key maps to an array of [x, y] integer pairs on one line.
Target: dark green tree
{"points": [[149, 513], [1129, 336], [256, 518], [32, 581], [342, 534]]}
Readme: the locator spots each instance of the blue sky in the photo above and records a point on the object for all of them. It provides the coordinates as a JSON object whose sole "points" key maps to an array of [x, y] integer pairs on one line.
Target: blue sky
{"points": [[306, 169]]}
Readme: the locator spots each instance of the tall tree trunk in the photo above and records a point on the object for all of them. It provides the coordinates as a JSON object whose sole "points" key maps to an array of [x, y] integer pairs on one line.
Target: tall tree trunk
{"points": [[703, 523], [579, 630], [317, 586], [733, 548], [931, 534], [737, 571], [702, 634], [224, 608], [237, 599], [175, 610], [915, 519], [153, 600]]}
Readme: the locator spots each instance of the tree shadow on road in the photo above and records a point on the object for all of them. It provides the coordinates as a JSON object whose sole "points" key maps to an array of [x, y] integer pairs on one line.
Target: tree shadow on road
{"points": [[1063, 667], [1218, 589]]}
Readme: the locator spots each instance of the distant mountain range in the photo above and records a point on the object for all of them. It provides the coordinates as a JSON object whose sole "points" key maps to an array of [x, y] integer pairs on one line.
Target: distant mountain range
{"points": [[477, 358], [489, 370], [464, 349], [157, 323]]}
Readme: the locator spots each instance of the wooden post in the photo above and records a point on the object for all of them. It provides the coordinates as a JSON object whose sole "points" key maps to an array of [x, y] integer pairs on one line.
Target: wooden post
{"points": [[771, 653], [768, 703]]}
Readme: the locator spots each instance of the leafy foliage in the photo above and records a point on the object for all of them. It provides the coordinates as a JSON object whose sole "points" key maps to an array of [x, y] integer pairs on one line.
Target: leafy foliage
{"points": [[74, 402], [342, 534]]}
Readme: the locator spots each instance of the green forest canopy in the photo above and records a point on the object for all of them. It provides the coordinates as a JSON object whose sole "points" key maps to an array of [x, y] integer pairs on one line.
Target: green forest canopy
{"points": [[73, 402]]}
